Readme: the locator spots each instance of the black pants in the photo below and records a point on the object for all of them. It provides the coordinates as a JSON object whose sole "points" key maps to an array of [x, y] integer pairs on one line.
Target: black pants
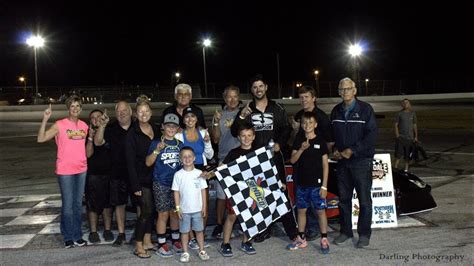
{"points": [[145, 220]]}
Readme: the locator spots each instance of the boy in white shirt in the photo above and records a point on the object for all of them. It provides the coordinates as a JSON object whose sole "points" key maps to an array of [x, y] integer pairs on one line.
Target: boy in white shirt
{"points": [[190, 198]]}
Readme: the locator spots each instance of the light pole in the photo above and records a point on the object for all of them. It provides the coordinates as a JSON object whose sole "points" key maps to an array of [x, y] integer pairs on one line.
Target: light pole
{"points": [[316, 74], [355, 50], [23, 80], [366, 87], [37, 42], [205, 43]]}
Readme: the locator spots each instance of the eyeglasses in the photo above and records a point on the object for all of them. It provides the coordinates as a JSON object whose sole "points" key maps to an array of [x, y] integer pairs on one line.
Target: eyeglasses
{"points": [[186, 94], [342, 90]]}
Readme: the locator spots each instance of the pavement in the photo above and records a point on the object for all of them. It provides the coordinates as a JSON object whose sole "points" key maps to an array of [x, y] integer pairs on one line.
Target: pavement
{"points": [[30, 208]]}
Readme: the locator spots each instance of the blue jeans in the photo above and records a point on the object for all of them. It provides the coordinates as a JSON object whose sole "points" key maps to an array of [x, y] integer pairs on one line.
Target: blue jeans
{"points": [[355, 174], [72, 190]]}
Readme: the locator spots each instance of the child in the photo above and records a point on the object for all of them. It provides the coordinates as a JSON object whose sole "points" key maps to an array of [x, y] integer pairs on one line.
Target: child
{"points": [[310, 156], [190, 197], [246, 137], [165, 155]]}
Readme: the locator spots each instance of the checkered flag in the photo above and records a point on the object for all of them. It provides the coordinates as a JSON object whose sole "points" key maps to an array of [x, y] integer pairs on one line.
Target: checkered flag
{"points": [[253, 189]]}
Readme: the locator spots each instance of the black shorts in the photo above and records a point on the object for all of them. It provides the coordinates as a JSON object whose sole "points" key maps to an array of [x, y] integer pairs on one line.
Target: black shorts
{"points": [[118, 192], [97, 193], [403, 147]]}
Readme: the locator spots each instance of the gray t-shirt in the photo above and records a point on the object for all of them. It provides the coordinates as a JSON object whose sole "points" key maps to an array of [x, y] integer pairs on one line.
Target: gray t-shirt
{"points": [[405, 121], [227, 141]]}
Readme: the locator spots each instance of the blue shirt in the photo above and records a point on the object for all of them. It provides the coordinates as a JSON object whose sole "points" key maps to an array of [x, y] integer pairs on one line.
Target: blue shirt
{"points": [[198, 147], [167, 161]]}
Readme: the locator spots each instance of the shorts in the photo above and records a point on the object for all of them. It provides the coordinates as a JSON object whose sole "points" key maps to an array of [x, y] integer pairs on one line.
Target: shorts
{"points": [[220, 194], [403, 147], [228, 206], [118, 192], [190, 221], [97, 193], [305, 196], [164, 198]]}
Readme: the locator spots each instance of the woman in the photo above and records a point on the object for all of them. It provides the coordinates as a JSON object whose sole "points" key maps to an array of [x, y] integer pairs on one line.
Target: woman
{"points": [[139, 138], [71, 167], [196, 138]]}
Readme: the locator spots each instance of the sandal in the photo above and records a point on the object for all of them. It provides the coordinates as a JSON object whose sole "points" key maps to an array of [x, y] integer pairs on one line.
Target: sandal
{"points": [[142, 255]]}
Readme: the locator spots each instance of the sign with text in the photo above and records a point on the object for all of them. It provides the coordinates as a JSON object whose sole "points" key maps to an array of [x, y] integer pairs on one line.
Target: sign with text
{"points": [[384, 211]]}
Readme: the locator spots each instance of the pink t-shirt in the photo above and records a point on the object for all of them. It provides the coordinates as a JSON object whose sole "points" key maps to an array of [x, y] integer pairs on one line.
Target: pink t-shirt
{"points": [[71, 142]]}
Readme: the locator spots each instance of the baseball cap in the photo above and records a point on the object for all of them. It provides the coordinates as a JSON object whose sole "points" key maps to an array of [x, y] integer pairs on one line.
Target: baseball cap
{"points": [[171, 118], [189, 110]]}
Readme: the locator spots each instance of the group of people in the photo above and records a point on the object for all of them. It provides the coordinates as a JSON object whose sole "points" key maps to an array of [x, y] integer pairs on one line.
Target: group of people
{"points": [[163, 168]]}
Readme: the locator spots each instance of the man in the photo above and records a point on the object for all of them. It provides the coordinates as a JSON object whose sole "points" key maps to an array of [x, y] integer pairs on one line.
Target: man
{"points": [[355, 132], [183, 95], [406, 132], [271, 123], [115, 136], [307, 96], [221, 135]]}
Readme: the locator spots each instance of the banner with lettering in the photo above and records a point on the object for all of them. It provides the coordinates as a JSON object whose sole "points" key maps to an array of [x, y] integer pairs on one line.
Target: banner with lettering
{"points": [[384, 211]]}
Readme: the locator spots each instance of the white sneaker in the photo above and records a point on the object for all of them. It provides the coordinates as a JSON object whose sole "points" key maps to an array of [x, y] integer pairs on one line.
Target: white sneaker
{"points": [[203, 255], [185, 257]]}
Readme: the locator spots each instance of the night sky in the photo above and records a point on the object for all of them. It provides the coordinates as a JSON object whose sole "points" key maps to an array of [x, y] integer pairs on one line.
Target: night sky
{"points": [[92, 43]]}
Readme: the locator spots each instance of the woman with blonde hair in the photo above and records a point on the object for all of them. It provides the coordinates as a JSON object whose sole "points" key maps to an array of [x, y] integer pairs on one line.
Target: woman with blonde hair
{"points": [[70, 134]]}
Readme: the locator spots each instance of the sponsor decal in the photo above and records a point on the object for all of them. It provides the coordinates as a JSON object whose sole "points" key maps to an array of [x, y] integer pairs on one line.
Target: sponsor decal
{"points": [[262, 121], [256, 193], [384, 213], [379, 169]]}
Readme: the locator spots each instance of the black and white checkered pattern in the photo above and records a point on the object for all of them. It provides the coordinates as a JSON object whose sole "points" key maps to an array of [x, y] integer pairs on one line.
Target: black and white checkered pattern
{"points": [[259, 166]]}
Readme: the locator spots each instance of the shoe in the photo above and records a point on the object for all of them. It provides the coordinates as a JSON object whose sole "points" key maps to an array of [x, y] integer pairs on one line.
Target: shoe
{"points": [[248, 248], [80, 243], [177, 247], [226, 250], [217, 232], [324, 245], [341, 239], [193, 244], [206, 243], [142, 255], [203, 255], [119, 241], [297, 244], [363, 242], [94, 237], [69, 244], [311, 235], [164, 251], [184, 257], [108, 236], [261, 237]]}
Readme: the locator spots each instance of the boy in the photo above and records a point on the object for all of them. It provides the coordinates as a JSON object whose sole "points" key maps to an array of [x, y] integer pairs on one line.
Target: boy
{"points": [[165, 155], [310, 157], [246, 137], [190, 197]]}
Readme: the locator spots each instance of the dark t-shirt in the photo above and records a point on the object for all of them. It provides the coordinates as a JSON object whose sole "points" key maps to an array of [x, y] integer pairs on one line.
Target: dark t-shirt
{"points": [[99, 162], [309, 167], [116, 137], [235, 154]]}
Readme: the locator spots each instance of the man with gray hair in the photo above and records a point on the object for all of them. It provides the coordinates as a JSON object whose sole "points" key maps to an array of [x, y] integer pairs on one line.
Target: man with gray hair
{"points": [[221, 135], [355, 132], [183, 95]]}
